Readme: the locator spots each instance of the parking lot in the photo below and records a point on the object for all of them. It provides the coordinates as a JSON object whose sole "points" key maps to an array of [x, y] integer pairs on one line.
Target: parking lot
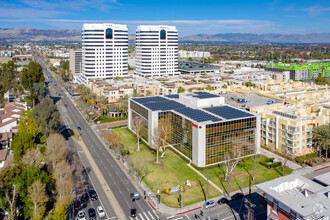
{"points": [[251, 100]]}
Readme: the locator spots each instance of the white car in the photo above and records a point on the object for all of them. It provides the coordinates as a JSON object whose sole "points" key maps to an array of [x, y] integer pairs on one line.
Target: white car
{"points": [[81, 215], [100, 211]]}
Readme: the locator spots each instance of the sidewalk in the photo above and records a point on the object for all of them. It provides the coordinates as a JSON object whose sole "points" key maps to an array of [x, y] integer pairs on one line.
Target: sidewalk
{"points": [[289, 163], [111, 124]]}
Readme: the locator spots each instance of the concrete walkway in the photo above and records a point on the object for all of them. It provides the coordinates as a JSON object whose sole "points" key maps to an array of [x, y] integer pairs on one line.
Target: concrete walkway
{"points": [[290, 164], [111, 124]]}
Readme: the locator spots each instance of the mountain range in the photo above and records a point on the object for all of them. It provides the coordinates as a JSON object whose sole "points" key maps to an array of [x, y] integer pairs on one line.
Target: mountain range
{"points": [[51, 35]]}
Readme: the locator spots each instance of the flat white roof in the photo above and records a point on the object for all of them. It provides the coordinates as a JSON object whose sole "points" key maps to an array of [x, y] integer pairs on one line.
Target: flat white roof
{"points": [[323, 178]]}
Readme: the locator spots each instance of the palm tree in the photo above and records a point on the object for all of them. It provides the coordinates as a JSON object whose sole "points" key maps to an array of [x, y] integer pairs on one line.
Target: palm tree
{"points": [[321, 137], [92, 100], [102, 103]]}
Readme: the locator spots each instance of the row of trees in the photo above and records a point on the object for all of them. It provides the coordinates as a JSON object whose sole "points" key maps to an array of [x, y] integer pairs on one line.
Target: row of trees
{"points": [[93, 100], [321, 138]]}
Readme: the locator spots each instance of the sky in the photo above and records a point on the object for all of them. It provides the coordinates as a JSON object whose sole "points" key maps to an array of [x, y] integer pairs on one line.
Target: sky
{"points": [[189, 16]]}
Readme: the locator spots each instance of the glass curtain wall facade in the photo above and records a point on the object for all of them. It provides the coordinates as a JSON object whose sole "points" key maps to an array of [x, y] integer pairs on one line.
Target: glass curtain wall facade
{"points": [[225, 136], [181, 135], [141, 113]]}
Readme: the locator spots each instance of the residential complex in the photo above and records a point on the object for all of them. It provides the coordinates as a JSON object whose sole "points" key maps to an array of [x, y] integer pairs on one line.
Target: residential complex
{"points": [[204, 128], [75, 62], [194, 54], [304, 72], [288, 129], [104, 51], [296, 197], [156, 50]]}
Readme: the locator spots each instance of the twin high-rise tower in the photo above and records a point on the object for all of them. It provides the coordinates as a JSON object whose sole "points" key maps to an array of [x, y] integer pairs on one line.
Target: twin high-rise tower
{"points": [[105, 51]]}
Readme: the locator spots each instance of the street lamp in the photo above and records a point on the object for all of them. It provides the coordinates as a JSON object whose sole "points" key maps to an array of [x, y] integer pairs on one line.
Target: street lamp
{"points": [[158, 198], [249, 192]]}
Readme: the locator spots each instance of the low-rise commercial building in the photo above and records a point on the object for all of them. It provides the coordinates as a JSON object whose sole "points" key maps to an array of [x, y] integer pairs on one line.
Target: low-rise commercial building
{"points": [[197, 68], [296, 197], [204, 128]]}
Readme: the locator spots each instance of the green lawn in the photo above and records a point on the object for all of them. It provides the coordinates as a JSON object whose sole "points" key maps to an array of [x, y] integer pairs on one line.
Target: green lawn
{"points": [[262, 174], [172, 171], [106, 119]]}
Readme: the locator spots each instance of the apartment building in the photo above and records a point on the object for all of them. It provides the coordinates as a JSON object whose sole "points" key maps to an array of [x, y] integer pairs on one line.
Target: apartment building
{"points": [[156, 51], [194, 54], [204, 128], [75, 62], [288, 129], [104, 51], [296, 197]]}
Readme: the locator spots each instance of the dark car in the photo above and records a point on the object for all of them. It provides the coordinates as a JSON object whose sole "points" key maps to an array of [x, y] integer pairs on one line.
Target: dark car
{"points": [[79, 128], [133, 212], [223, 200], [84, 197], [237, 196], [92, 213], [65, 105], [76, 205], [93, 194]]}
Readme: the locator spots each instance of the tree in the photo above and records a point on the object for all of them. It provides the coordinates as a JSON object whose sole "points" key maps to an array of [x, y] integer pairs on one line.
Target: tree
{"points": [[27, 124], [208, 87], [165, 127], [21, 143], [149, 93], [321, 80], [114, 139], [46, 116], [92, 100], [140, 166], [32, 74], [103, 104], [38, 198], [181, 89], [56, 150], [39, 90], [157, 142], [224, 86], [137, 126], [122, 105], [7, 76], [321, 137], [232, 158], [33, 157]]}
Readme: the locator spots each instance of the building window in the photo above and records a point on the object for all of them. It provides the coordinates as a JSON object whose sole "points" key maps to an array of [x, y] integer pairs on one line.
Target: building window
{"points": [[108, 33], [275, 208], [163, 35], [283, 126]]}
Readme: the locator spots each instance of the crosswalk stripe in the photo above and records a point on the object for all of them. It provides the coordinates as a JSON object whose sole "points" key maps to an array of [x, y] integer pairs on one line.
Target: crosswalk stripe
{"points": [[178, 218], [141, 216], [155, 213], [151, 215], [146, 215], [170, 217], [187, 216]]}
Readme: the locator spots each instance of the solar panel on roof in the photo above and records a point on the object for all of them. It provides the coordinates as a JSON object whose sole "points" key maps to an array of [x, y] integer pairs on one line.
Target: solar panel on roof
{"points": [[197, 115], [228, 112], [174, 96], [150, 99], [163, 106]]}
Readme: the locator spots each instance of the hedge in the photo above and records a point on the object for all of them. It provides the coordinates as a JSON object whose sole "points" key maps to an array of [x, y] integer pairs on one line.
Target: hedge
{"points": [[307, 157], [270, 166]]}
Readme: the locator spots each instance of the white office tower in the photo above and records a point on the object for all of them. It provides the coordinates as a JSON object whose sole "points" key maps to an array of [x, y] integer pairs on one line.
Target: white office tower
{"points": [[104, 51], [156, 50]]}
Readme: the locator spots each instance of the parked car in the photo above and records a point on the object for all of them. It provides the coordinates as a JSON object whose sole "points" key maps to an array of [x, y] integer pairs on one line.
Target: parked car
{"points": [[135, 196], [209, 204], [76, 205], [93, 194], [65, 105], [223, 200], [92, 213], [81, 215], [100, 211], [79, 128], [84, 198], [237, 196]]}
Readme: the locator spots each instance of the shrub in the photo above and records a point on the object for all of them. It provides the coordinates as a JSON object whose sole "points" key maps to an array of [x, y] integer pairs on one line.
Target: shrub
{"points": [[270, 166], [306, 158], [264, 147]]}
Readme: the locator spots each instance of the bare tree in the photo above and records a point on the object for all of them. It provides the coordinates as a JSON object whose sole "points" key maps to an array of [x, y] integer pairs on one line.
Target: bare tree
{"points": [[137, 126], [232, 158], [33, 157], [39, 198], [56, 149], [165, 127], [157, 142], [285, 153], [10, 198], [64, 182], [140, 167]]}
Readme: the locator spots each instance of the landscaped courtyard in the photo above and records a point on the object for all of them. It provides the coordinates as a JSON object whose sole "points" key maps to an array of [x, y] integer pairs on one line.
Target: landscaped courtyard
{"points": [[174, 171]]}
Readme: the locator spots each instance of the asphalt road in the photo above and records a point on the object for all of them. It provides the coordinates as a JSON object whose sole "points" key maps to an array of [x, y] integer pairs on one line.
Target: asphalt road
{"points": [[118, 182]]}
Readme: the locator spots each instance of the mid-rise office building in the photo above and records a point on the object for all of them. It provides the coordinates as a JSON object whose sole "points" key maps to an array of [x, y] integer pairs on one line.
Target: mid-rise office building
{"points": [[104, 51], [204, 129], [156, 50], [75, 58]]}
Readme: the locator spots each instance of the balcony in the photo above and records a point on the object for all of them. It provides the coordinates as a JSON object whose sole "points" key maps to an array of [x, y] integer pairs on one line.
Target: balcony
{"points": [[290, 145], [310, 143], [291, 138], [309, 129], [309, 135], [292, 132], [272, 125]]}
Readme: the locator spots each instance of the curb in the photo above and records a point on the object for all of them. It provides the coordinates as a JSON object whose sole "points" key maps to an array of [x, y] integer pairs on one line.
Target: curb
{"points": [[180, 213]]}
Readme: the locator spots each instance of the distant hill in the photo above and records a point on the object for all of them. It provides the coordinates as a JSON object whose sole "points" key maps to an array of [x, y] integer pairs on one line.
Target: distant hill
{"points": [[260, 38], [35, 34]]}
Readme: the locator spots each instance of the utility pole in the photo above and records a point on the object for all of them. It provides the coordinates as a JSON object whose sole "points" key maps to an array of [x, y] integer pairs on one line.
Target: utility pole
{"points": [[207, 185]]}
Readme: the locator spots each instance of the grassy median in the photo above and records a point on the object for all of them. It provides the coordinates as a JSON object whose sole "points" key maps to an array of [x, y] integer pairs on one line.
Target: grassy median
{"points": [[171, 172]]}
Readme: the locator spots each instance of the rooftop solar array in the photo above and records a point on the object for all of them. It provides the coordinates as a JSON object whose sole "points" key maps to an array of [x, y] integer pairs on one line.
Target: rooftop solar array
{"points": [[174, 96], [197, 115], [203, 95], [228, 112], [151, 99], [164, 105]]}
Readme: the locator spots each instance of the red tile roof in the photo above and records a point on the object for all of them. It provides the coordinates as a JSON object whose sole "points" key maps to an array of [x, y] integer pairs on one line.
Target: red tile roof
{"points": [[8, 122], [5, 136], [3, 154]]}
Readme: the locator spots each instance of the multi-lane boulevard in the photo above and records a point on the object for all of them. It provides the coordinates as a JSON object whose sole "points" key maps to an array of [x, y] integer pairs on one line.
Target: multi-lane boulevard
{"points": [[118, 183]]}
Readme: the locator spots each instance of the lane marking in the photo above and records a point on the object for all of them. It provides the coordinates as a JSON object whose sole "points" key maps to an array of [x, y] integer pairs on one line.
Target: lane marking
{"points": [[155, 213], [178, 218], [170, 217], [151, 215], [187, 216], [141, 216], [146, 215]]}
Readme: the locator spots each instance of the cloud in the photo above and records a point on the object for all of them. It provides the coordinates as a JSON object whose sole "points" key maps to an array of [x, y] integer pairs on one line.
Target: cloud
{"points": [[316, 10], [28, 13]]}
